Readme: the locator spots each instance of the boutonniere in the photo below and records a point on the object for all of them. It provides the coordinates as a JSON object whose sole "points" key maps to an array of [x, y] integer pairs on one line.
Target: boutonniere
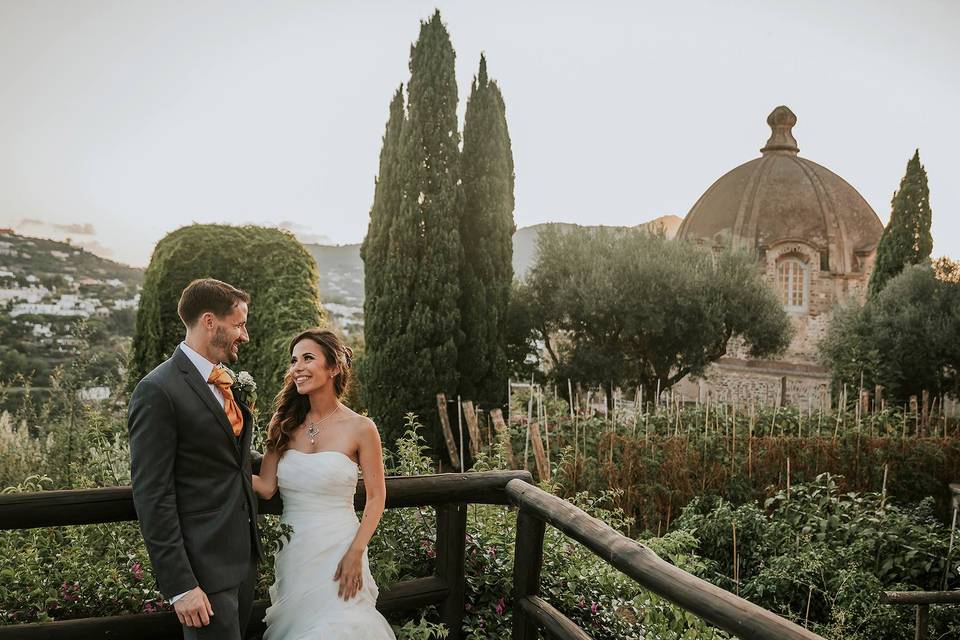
{"points": [[244, 388]]}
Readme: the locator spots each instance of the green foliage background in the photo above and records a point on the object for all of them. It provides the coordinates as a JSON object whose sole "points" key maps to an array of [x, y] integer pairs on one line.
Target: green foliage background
{"points": [[269, 264], [486, 236], [638, 309], [905, 338], [412, 329]]}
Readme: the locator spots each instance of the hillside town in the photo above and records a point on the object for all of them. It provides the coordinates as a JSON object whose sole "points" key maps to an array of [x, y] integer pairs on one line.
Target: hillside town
{"points": [[46, 288]]}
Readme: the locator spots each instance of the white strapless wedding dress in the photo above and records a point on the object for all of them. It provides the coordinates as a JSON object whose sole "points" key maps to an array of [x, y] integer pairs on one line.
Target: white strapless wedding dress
{"points": [[317, 490]]}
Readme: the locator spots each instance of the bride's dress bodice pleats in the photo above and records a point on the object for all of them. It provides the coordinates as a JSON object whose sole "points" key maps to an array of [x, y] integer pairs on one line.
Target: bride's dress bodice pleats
{"points": [[318, 490]]}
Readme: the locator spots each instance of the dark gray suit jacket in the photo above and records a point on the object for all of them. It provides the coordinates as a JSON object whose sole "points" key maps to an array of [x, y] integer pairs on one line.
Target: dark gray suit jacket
{"points": [[191, 481]]}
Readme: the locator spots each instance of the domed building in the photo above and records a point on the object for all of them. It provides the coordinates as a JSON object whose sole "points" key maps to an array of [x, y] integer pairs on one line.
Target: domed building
{"points": [[815, 238]]}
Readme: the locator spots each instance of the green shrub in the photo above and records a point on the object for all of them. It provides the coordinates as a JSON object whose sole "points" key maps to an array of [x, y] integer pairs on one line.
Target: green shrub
{"points": [[822, 557]]}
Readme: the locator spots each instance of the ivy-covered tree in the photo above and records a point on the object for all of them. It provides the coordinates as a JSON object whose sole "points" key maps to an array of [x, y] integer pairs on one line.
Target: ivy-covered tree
{"points": [[486, 233], [269, 264], [633, 308], [412, 341], [906, 240]]}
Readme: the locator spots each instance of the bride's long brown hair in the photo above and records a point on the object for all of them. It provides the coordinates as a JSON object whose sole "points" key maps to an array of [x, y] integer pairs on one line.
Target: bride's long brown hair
{"points": [[290, 408]]}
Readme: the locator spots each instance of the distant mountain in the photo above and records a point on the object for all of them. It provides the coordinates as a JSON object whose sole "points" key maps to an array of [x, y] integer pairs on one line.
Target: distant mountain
{"points": [[525, 238], [29, 259], [341, 273], [341, 269]]}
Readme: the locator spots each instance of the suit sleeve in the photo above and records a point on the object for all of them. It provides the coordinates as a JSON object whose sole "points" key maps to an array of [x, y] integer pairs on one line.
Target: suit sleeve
{"points": [[152, 426]]}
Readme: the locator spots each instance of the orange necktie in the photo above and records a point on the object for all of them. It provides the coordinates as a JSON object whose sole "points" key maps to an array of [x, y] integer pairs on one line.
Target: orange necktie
{"points": [[223, 382]]}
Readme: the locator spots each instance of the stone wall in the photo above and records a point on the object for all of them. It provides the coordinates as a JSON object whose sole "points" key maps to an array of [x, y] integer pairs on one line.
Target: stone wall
{"points": [[746, 381]]}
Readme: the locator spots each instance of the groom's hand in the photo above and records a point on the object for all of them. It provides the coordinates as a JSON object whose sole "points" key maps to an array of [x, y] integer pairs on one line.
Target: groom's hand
{"points": [[194, 608]]}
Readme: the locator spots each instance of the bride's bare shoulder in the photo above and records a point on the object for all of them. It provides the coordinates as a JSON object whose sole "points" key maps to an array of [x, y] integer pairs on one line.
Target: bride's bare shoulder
{"points": [[360, 423]]}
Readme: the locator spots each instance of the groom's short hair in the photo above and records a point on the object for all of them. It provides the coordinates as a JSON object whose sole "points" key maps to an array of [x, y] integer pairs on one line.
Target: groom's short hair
{"points": [[208, 294]]}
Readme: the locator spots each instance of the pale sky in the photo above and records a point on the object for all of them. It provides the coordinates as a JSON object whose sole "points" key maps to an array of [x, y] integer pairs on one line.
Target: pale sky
{"points": [[121, 121]]}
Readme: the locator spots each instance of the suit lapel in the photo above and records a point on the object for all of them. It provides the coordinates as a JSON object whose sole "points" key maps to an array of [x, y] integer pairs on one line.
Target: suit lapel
{"points": [[200, 387]]}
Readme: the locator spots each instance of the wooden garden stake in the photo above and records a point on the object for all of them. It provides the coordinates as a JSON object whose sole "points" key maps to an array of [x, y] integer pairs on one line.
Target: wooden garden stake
{"points": [[916, 415], [883, 493], [820, 418], [946, 569], [460, 429], [736, 567], [546, 428], [526, 443], [504, 434], [543, 469], [788, 478]]}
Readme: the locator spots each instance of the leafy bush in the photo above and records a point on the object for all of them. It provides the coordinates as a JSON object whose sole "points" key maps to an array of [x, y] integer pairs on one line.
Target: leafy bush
{"points": [[823, 558], [657, 462], [635, 308], [903, 338]]}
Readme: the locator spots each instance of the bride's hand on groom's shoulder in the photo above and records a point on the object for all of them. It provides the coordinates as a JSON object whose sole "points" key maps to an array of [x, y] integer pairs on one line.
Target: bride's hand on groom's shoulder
{"points": [[194, 609], [350, 574]]}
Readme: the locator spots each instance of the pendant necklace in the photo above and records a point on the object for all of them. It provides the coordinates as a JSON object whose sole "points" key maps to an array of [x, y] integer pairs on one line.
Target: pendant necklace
{"points": [[314, 427]]}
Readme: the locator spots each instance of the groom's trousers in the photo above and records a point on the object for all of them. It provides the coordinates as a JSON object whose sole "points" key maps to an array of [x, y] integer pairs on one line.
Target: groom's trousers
{"points": [[231, 609]]}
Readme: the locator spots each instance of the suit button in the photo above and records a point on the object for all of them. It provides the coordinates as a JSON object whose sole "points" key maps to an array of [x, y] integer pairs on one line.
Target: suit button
{"points": [[244, 507]]}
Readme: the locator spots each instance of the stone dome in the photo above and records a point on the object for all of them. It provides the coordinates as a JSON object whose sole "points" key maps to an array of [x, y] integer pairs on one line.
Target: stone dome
{"points": [[781, 197]]}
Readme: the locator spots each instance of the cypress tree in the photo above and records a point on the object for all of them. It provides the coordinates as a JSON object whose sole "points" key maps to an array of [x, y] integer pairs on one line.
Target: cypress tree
{"points": [[906, 239], [486, 232], [381, 305], [412, 341], [386, 202]]}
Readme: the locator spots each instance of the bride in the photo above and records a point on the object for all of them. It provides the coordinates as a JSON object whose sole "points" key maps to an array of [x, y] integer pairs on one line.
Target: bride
{"points": [[314, 450]]}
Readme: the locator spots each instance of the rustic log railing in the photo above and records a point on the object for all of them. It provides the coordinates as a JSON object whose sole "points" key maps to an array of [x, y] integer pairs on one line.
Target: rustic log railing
{"points": [[716, 606], [923, 600], [450, 494]]}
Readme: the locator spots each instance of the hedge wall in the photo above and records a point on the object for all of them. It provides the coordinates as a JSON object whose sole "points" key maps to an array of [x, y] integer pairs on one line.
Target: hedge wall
{"points": [[269, 264]]}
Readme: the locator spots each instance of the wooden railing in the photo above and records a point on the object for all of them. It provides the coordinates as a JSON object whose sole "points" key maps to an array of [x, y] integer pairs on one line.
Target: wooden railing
{"points": [[450, 494], [718, 607], [923, 600]]}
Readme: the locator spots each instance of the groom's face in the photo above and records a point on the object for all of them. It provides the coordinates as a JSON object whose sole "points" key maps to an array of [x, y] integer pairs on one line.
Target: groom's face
{"points": [[228, 333]]}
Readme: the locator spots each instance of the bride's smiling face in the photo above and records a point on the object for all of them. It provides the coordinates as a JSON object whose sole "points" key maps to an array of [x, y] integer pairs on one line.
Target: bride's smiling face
{"points": [[309, 368]]}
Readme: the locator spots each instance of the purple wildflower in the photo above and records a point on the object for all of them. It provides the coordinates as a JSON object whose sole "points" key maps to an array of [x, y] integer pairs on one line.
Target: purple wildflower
{"points": [[500, 607], [137, 571]]}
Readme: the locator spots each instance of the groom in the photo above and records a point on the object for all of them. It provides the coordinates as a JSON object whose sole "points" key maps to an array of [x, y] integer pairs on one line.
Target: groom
{"points": [[190, 468]]}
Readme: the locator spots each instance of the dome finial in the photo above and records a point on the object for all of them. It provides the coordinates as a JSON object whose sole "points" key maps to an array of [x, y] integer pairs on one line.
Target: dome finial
{"points": [[781, 120]]}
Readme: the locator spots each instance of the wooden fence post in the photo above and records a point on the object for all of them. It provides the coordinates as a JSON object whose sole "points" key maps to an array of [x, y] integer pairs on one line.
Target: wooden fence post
{"points": [[448, 432], [451, 552], [539, 455], [473, 427], [922, 611], [527, 562]]}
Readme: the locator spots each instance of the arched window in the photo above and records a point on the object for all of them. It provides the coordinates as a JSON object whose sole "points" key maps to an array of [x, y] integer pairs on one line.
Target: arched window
{"points": [[794, 282]]}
